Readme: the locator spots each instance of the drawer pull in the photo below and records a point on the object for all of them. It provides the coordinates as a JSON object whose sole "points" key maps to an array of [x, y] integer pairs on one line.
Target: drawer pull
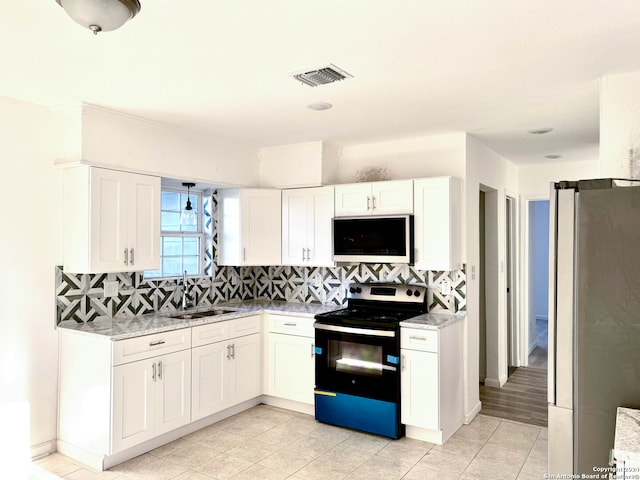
{"points": [[126, 256], [416, 337], [160, 370], [233, 351], [313, 350], [228, 352], [154, 344], [153, 372], [290, 324]]}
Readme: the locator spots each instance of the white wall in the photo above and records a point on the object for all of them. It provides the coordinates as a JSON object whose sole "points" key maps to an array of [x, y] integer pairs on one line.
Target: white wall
{"points": [[620, 125], [30, 247], [442, 155], [485, 168], [120, 141], [534, 180]]}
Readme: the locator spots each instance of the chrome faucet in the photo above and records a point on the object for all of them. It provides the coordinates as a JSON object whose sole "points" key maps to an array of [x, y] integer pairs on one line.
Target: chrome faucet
{"points": [[187, 297]]}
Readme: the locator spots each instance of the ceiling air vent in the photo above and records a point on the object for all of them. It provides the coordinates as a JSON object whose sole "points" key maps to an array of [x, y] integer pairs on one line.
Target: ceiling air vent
{"points": [[321, 76]]}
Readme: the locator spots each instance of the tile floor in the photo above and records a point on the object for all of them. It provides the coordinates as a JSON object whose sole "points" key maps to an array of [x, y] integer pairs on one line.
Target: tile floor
{"points": [[268, 443]]}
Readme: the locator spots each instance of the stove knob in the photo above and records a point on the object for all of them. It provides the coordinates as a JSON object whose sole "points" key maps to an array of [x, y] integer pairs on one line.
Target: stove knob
{"points": [[358, 290], [416, 293], [352, 289], [409, 292]]}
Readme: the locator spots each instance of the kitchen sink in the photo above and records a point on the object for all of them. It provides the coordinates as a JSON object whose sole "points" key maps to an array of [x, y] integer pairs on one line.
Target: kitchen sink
{"points": [[205, 313]]}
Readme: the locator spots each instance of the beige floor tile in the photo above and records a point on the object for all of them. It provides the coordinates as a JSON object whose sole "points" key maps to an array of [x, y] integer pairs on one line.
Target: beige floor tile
{"points": [[479, 430], [86, 474], [426, 473], [260, 472], [444, 462], [385, 468], [285, 460], [365, 441], [502, 453], [58, 464], [171, 447], [460, 446], [409, 453], [149, 467], [272, 414], [223, 467], [486, 469], [540, 449], [535, 465], [322, 470], [544, 434], [528, 476], [518, 430], [251, 426], [314, 447], [303, 425], [192, 475], [192, 456], [252, 450], [347, 456], [279, 437], [331, 432], [220, 440]]}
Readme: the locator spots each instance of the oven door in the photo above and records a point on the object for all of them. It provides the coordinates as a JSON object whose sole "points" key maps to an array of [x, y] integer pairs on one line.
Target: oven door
{"points": [[358, 361]]}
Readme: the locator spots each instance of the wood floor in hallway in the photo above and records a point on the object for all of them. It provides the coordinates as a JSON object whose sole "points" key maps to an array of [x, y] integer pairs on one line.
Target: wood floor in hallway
{"points": [[523, 398]]}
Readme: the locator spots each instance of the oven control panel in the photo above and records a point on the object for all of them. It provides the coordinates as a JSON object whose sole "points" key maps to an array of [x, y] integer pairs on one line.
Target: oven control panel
{"points": [[388, 292]]}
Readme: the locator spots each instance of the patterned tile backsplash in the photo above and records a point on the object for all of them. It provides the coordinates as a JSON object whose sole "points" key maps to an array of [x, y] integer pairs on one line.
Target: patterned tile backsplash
{"points": [[80, 297]]}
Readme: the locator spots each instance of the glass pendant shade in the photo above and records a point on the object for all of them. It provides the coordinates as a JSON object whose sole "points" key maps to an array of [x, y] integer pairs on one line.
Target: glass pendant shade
{"points": [[188, 216], [100, 15]]}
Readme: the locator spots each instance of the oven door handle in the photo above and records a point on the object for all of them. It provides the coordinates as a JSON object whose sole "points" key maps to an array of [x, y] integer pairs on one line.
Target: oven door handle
{"points": [[355, 330]]}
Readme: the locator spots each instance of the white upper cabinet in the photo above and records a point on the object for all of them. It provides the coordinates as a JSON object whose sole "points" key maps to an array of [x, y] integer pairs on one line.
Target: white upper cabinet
{"points": [[375, 198], [249, 226], [111, 221], [306, 226], [437, 223]]}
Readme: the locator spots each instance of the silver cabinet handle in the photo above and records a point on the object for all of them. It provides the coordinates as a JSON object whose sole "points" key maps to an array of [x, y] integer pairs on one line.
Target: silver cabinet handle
{"points": [[373, 202], [308, 254], [153, 372], [303, 259], [368, 202], [159, 370], [126, 256], [233, 351], [244, 254], [158, 342], [416, 337], [131, 256], [228, 352], [402, 361], [290, 324], [313, 350]]}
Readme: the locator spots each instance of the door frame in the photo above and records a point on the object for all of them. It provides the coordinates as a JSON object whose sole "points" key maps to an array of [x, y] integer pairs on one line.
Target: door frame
{"points": [[514, 327]]}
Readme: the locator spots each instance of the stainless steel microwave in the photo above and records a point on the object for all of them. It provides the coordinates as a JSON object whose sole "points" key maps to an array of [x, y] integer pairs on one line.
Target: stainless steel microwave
{"points": [[373, 239]]}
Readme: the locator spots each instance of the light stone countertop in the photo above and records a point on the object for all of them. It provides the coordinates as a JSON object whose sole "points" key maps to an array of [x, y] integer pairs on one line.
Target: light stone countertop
{"points": [[129, 327], [433, 321], [627, 440]]}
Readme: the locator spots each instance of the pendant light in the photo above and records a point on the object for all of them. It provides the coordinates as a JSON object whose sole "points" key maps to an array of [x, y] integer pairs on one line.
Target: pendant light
{"points": [[100, 15], [188, 216]]}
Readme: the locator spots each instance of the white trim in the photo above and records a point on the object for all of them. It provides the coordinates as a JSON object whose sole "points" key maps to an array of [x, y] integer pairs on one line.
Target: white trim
{"points": [[42, 449], [492, 382], [471, 414]]}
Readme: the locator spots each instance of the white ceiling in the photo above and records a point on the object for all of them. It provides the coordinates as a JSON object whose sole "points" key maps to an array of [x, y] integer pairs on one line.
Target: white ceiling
{"points": [[493, 68]]}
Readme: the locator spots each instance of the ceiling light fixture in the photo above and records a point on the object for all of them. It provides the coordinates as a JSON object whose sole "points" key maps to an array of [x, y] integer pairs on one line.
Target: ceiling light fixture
{"points": [[100, 15], [540, 131], [553, 156], [319, 106], [188, 216]]}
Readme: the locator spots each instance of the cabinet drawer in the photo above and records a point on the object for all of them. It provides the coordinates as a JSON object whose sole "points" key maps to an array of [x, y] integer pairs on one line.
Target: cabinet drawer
{"points": [[300, 326], [418, 339], [239, 327], [148, 346], [210, 333]]}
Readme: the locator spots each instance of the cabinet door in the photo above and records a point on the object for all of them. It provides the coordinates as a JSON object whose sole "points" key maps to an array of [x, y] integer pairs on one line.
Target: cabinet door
{"points": [[420, 389], [319, 227], [393, 197], [245, 368], [173, 391], [133, 404], [261, 212], [437, 224], [291, 369], [210, 380], [295, 218], [109, 206], [144, 222], [353, 199]]}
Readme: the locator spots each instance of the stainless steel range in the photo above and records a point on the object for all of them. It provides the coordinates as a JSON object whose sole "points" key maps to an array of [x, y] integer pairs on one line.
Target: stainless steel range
{"points": [[358, 357]]}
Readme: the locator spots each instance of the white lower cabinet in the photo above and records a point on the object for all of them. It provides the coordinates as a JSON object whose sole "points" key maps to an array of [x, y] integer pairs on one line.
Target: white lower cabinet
{"points": [[290, 358], [226, 371], [431, 382], [150, 397]]}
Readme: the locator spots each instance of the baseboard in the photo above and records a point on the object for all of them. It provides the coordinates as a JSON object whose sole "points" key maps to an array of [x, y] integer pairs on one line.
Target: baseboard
{"points": [[43, 449], [492, 382], [471, 414], [426, 435], [299, 407]]}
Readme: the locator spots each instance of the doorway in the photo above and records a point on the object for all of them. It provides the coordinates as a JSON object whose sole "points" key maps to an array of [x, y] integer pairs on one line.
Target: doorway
{"points": [[538, 283]]}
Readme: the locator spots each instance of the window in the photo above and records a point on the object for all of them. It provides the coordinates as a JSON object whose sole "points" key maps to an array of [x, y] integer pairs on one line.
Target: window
{"points": [[181, 246]]}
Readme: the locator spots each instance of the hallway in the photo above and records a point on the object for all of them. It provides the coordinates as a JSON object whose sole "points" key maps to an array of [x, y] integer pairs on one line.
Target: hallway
{"points": [[523, 398]]}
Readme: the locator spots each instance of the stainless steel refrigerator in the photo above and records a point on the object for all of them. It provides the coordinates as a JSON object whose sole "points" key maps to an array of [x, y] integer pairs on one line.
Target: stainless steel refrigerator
{"points": [[594, 318]]}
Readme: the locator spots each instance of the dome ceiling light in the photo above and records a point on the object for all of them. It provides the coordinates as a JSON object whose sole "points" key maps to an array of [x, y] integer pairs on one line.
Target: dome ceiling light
{"points": [[100, 15]]}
